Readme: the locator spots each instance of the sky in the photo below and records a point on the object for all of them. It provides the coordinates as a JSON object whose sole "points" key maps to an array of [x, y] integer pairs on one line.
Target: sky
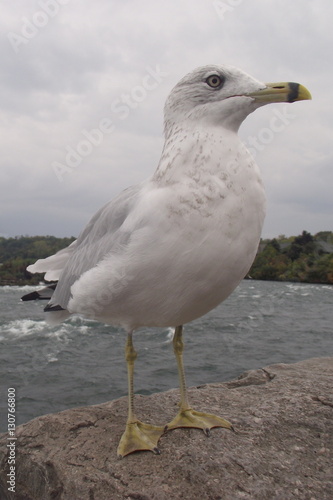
{"points": [[83, 85]]}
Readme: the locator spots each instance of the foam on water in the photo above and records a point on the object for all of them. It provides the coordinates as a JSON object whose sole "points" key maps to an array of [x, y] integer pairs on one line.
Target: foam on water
{"points": [[169, 336], [23, 289], [21, 328], [307, 288]]}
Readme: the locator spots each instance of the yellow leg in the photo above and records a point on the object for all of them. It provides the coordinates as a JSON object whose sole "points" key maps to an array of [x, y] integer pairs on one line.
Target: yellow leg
{"points": [[137, 435], [187, 417]]}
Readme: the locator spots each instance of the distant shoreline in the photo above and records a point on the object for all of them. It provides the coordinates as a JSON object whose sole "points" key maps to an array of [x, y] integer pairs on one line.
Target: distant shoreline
{"points": [[305, 258], [42, 283]]}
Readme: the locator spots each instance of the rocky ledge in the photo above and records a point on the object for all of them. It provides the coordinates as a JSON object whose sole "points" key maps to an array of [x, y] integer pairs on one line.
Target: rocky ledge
{"points": [[281, 448]]}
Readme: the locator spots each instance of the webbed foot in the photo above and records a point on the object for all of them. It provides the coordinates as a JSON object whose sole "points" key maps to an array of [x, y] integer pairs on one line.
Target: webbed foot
{"points": [[139, 436], [198, 420]]}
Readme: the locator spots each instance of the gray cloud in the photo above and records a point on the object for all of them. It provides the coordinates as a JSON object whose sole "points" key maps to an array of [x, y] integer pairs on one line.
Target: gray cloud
{"points": [[74, 71]]}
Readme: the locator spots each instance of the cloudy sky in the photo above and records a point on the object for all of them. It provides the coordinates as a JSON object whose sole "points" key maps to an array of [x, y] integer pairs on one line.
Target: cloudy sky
{"points": [[83, 86]]}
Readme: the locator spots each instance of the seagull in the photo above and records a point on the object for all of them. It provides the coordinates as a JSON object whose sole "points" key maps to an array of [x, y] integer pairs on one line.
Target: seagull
{"points": [[170, 249]]}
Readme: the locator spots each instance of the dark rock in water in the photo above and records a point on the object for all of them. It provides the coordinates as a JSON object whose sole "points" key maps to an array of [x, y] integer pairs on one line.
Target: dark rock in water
{"points": [[281, 450]]}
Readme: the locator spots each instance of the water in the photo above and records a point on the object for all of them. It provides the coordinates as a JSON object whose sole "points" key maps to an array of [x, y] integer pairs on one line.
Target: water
{"points": [[81, 362]]}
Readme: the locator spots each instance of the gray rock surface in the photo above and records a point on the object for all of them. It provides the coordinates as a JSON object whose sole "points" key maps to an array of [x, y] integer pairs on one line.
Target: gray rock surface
{"points": [[281, 448]]}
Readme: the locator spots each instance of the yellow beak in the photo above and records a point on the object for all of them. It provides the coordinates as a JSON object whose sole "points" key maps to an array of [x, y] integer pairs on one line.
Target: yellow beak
{"points": [[281, 92]]}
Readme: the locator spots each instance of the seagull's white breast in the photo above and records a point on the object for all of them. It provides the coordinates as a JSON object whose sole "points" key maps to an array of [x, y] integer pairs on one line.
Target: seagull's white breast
{"points": [[195, 232]]}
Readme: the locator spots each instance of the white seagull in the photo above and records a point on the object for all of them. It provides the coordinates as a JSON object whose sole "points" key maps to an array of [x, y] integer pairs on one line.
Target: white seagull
{"points": [[168, 250]]}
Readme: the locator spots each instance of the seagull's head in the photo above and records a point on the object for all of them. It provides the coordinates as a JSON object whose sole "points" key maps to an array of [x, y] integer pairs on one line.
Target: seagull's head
{"points": [[224, 96]]}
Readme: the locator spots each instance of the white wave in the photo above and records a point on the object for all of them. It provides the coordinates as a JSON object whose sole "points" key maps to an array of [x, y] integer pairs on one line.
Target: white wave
{"points": [[307, 286], [21, 328], [22, 288], [26, 327], [169, 335]]}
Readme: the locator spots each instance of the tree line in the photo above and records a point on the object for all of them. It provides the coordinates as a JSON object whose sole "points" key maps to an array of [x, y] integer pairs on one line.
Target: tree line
{"points": [[17, 253], [305, 258]]}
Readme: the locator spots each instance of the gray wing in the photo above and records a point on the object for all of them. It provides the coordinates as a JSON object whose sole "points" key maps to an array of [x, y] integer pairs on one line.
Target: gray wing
{"points": [[101, 236]]}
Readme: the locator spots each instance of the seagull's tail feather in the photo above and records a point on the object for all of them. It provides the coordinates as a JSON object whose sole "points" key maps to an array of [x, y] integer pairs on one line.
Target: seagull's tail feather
{"points": [[53, 267], [55, 317], [42, 294], [54, 314], [54, 264]]}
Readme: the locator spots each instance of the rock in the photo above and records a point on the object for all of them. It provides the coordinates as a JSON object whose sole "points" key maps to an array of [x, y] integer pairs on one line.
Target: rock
{"points": [[281, 448]]}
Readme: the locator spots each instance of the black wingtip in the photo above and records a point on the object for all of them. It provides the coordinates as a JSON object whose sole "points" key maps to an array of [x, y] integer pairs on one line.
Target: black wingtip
{"points": [[30, 296], [51, 308], [41, 294]]}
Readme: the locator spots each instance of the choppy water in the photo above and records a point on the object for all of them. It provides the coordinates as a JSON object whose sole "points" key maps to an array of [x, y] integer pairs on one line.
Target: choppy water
{"points": [[81, 362]]}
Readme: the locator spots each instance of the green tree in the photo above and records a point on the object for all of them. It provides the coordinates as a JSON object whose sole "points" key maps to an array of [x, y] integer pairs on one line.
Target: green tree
{"points": [[302, 258], [322, 270], [17, 253]]}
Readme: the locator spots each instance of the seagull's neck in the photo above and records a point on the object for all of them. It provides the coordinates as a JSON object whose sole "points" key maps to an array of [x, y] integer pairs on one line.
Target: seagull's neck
{"points": [[204, 150]]}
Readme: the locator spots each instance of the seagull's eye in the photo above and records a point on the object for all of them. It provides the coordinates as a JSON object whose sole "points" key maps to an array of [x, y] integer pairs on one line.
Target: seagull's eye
{"points": [[214, 81]]}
